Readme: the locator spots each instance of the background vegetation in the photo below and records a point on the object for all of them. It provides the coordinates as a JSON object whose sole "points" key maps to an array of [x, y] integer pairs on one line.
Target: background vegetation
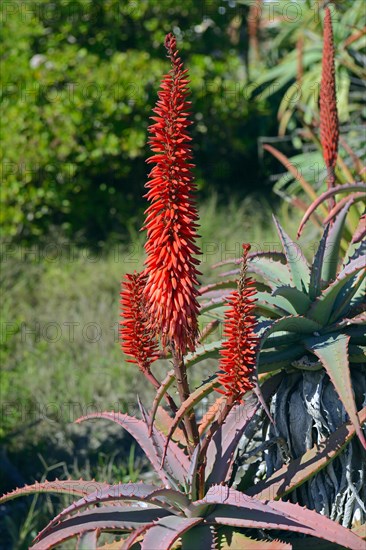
{"points": [[79, 80]]}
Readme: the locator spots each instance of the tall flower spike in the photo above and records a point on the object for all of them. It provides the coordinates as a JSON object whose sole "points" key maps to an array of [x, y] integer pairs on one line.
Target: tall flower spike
{"points": [[239, 351], [329, 127], [135, 336], [171, 217]]}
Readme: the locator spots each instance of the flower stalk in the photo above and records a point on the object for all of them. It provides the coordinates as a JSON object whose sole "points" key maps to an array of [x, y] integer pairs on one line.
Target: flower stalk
{"points": [[171, 224], [329, 124], [238, 355]]}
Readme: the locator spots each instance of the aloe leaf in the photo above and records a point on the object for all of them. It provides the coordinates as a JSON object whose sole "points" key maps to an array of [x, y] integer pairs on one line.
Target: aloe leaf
{"points": [[206, 351], [360, 232], [192, 474], [299, 301], [273, 255], [136, 534], [105, 518], [237, 540], [319, 526], [75, 488], [164, 386], [240, 510], [278, 301], [229, 283], [139, 430], [360, 530], [292, 475], [222, 447], [166, 531], [321, 309], [293, 323], [344, 188], [207, 330], [275, 274], [330, 262], [273, 360], [342, 303], [271, 311], [355, 252], [194, 398], [170, 461], [332, 351], [163, 422], [202, 537], [213, 303], [295, 260], [316, 268], [278, 341], [88, 540], [209, 417], [354, 197], [150, 494]]}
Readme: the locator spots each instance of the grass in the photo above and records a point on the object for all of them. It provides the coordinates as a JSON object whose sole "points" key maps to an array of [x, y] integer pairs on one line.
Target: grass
{"points": [[60, 352]]}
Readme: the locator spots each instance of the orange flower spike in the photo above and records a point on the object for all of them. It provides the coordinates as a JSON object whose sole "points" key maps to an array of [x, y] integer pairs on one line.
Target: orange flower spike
{"points": [[329, 126], [239, 351], [171, 219], [135, 336]]}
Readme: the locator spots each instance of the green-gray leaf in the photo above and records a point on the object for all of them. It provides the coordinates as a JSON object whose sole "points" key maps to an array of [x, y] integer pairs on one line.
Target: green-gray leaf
{"points": [[332, 351]]}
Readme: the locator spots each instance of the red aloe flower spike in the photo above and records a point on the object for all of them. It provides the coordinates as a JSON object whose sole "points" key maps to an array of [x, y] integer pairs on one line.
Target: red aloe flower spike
{"points": [[240, 348], [171, 217], [135, 335], [329, 126]]}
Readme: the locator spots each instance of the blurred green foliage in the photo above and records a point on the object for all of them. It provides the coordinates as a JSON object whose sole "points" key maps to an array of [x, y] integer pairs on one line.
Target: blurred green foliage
{"points": [[80, 77], [79, 81]]}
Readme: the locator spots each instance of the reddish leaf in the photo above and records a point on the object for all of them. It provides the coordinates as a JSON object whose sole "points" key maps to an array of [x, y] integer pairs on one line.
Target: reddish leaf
{"points": [[345, 188], [338, 207], [195, 397], [88, 540], [238, 540], [166, 531], [135, 536], [222, 447], [106, 518], [239, 510], [360, 232], [70, 487], [139, 430], [125, 492]]}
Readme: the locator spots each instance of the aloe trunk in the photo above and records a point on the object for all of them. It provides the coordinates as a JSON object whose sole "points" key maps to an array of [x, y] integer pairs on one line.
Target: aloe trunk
{"points": [[306, 409]]}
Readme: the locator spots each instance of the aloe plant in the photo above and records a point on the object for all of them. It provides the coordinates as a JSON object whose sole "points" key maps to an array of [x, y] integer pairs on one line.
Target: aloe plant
{"points": [[302, 321], [312, 324], [157, 516], [328, 152]]}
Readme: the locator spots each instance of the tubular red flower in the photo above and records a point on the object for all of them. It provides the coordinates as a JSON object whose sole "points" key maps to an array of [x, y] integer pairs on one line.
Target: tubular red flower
{"points": [[239, 351], [329, 127], [135, 335], [171, 217]]}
